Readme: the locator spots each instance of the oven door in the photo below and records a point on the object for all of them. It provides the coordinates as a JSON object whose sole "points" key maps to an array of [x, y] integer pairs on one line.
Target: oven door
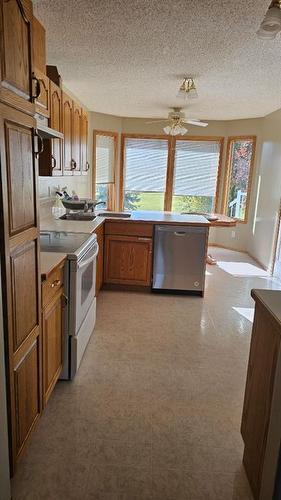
{"points": [[82, 287]]}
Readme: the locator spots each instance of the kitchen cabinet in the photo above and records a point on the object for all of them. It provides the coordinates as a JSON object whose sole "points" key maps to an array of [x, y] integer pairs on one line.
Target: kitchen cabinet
{"points": [[16, 54], [75, 129], [67, 121], [99, 270], [52, 326], [20, 281], [260, 427], [38, 45], [42, 102], [128, 260], [84, 142], [50, 160], [76, 139]]}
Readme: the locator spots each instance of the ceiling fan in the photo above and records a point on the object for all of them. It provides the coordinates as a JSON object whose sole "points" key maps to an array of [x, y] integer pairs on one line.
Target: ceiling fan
{"points": [[176, 120]]}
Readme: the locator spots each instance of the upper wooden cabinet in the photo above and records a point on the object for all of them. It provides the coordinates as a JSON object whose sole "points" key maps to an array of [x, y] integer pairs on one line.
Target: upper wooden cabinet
{"points": [[84, 142], [76, 138], [55, 107], [42, 100], [39, 46], [16, 54], [67, 123]]}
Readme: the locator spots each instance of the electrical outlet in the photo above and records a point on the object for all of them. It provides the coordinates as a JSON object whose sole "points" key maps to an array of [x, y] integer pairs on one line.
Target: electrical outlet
{"points": [[233, 234]]}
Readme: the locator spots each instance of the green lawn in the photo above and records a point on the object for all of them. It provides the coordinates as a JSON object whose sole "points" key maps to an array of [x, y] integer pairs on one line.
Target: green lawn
{"points": [[155, 201]]}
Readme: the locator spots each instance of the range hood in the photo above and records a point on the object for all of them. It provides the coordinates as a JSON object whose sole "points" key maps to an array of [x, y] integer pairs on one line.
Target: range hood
{"points": [[45, 131]]}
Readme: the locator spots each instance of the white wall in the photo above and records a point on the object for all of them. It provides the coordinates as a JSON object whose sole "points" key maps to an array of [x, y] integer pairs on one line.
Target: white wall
{"points": [[263, 227]]}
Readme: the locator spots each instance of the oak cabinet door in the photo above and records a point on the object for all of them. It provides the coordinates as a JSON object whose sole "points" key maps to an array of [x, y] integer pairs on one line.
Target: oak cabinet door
{"points": [[264, 351], [76, 139], [27, 393], [84, 143], [67, 119], [52, 344], [50, 160], [16, 52], [20, 251], [128, 260], [99, 273], [42, 102]]}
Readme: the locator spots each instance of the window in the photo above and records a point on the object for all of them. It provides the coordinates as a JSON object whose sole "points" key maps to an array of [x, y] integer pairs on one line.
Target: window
{"points": [[240, 159], [145, 167], [196, 168], [105, 151], [159, 172]]}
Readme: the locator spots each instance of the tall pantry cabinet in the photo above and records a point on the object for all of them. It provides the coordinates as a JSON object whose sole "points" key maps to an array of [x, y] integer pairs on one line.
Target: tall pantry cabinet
{"points": [[19, 228]]}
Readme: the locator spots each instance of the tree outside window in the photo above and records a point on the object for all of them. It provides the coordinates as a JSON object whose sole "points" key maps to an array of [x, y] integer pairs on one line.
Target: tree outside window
{"points": [[240, 164]]}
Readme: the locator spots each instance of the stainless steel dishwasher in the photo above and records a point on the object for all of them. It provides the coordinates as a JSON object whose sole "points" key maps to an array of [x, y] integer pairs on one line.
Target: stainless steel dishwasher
{"points": [[179, 260]]}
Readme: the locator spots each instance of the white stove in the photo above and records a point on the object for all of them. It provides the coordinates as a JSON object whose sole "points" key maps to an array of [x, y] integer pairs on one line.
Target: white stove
{"points": [[80, 289]]}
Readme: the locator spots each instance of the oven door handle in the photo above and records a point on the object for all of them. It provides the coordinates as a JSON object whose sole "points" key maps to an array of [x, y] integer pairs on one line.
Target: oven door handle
{"points": [[90, 259]]}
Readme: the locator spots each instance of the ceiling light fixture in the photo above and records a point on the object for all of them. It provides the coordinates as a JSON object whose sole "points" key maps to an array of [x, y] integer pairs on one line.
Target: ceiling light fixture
{"points": [[175, 129], [271, 24], [188, 89]]}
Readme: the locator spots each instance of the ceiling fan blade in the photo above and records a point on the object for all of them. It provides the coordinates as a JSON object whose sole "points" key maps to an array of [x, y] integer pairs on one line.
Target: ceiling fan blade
{"points": [[196, 122], [157, 121]]}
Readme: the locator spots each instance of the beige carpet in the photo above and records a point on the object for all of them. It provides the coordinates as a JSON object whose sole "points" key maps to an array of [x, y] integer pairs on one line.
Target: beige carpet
{"points": [[155, 410]]}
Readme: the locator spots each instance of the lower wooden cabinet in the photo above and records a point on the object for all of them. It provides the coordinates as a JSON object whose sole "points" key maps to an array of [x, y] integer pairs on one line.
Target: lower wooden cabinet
{"points": [[27, 393], [260, 425], [99, 269], [52, 329], [128, 260], [52, 344]]}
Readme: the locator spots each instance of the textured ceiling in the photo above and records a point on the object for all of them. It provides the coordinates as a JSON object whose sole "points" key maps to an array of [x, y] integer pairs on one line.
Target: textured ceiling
{"points": [[127, 57]]}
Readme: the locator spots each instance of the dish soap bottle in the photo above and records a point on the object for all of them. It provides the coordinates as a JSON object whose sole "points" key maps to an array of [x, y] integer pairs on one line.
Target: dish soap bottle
{"points": [[58, 208]]}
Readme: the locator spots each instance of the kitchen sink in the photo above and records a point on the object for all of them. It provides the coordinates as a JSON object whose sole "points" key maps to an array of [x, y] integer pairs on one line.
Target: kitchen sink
{"points": [[79, 216], [117, 215]]}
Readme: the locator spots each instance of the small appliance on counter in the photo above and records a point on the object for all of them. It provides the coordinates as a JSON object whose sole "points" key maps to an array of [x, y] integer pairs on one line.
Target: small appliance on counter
{"points": [[78, 208], [80, 289]]}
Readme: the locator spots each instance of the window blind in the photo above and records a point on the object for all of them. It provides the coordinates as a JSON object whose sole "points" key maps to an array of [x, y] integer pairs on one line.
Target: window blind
{"points": [[145, 165], [104, 159], [196, 168]]}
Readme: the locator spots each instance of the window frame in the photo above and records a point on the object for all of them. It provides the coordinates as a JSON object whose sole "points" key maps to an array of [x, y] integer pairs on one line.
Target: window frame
{"points": [[230, 141], [168, 194], [111, 196]]}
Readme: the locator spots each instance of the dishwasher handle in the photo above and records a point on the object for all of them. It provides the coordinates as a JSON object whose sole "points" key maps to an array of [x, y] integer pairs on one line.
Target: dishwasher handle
{"points": [[180, 233]]}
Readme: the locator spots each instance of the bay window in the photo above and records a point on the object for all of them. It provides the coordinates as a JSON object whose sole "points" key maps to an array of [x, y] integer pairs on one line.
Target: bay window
{"points": [[160, 173], [144, 166], [196, 167], [240, 160], [105, 157]]}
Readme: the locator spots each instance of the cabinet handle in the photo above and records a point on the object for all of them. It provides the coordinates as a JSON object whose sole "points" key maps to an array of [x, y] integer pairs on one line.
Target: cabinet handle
{"points": [[87, 166], [37, 86], [54, 162], [39, 142], [144, 239], [55, 283], [73, 165]]}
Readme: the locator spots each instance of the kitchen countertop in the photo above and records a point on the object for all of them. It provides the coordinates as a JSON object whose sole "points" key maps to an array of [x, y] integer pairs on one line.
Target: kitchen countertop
{"points": [[52, 224], [271, 300], [49, 261]]}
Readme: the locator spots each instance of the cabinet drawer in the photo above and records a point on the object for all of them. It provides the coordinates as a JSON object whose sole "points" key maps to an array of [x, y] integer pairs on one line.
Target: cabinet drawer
{"points": [[52, 284], [129, 228]]}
